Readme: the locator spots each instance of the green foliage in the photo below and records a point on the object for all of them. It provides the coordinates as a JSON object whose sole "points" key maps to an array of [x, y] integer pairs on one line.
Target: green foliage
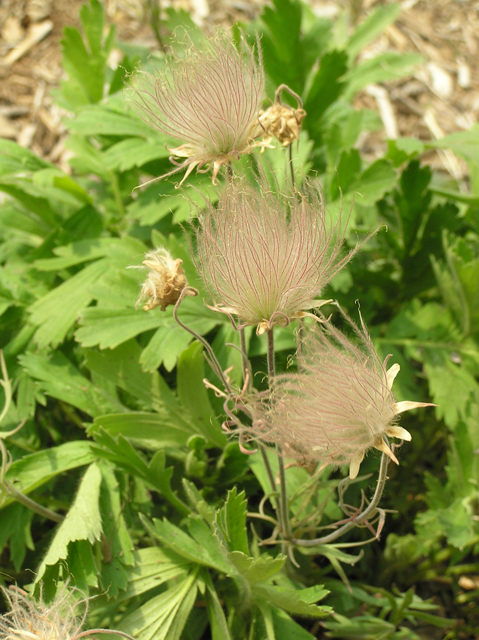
{"points": [[171, 526]]}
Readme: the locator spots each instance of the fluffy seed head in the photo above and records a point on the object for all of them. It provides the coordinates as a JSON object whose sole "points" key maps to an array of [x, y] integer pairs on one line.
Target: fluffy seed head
{"points": [[165, 280], [265, 256], [210, 102], [338, 406], [29, 620]]}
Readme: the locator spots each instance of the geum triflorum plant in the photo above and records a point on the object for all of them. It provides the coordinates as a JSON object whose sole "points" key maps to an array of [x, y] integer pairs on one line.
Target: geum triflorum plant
{"points": [[264, 256], [209, 101]]}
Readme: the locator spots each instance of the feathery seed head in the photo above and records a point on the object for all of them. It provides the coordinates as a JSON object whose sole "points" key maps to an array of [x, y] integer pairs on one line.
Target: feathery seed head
{"points": [[165, 281], [209, 101], [338, 406], [29, 620], [265, 256]]}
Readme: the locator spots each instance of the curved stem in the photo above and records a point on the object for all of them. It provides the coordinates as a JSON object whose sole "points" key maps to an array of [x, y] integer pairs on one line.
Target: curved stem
{"points": [[215, 365], [291, 166], [369, 511], [31, 504]]}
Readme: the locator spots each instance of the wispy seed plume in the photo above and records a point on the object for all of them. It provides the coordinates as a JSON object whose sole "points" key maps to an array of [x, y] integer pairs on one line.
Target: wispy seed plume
{"points": [[266, 256], [209, 101], [338, 406]]}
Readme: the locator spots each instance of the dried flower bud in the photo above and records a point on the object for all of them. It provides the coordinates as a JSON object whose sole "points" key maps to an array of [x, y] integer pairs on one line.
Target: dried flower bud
{"points": [[338, 406], [281, 121], [165, 281], [210, 101], [264, 256]]}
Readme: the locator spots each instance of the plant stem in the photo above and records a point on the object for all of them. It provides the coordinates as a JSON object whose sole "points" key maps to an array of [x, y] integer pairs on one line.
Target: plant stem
{"points": [[283, 514], [370, 509], [213, 359], [244, 358], [291, 165], [31, 504]]}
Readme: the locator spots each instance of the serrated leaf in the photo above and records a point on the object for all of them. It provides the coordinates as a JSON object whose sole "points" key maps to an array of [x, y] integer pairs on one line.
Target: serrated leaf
{"points": [[256, 569], [96, 120], [231, 520], [163, 616], [155, 474], [60, 379], [55, 312], [193, 396], [148, 430], [290, 601], [35, 469], [134, 152], [117, 546], [109, 328], [385, 66], [371, 27], [153, 566], [82, 522]]}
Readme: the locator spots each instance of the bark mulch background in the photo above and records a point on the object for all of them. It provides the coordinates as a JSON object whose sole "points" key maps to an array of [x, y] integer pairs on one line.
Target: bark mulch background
{"points": [[440, 98]]}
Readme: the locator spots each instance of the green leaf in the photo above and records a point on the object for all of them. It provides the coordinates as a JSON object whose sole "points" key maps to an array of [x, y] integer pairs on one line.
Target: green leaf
{"points": [[155, 474], [35, 469], [133, 152], [192, 394], [16, 528], [153, 566], [372, 27], [117, 546], [285, 628], [109, 328], [457, 525], [94, 121], [464, 143], [82, 522], [55, 312], [231, 520], [375, 181], [165, 615], [383, 67], [165, 347], [219, 625], [290, 601], [148, 430], [256, 569], [60, 379]]}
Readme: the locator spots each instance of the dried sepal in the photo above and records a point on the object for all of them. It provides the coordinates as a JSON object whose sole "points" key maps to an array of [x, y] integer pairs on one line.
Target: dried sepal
{"points": [[281, 121], [165, 280]]}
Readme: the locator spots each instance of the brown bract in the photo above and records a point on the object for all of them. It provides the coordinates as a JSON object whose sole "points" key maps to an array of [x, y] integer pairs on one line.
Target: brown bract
{"points": [[210, 102], [282, 121]]}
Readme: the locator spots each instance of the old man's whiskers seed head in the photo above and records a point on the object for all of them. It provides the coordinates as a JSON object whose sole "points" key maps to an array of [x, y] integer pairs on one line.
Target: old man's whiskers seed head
{"points": [[337, 406], [210, 102], [266, 256]]}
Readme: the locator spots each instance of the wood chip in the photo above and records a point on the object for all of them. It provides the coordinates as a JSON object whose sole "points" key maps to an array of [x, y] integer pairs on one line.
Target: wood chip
{"points": [[36, 33], [386, 110], [463, 74], [441, 81], [25, 136], [7, 128]]}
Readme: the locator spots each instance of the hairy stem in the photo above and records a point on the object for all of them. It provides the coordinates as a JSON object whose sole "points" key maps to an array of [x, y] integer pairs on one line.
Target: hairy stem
{"points": [[30, 504], [369, 511], [212, 357], [283, 514]]}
